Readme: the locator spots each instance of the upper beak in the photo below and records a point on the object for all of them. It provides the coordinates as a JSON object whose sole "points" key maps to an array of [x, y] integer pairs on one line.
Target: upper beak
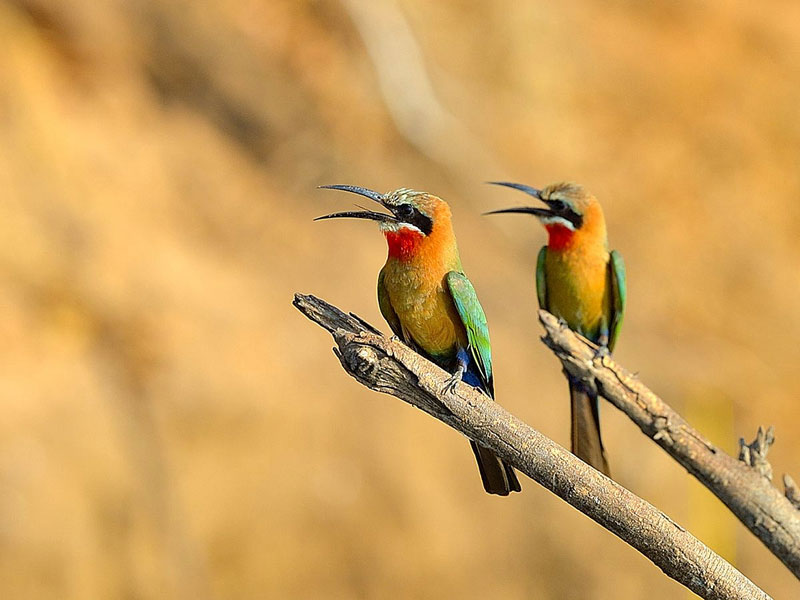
{"points": [[539, 212], [359, 214]]}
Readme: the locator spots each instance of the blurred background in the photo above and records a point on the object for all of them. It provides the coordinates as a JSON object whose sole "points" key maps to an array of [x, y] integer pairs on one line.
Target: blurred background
{"points": [[173, 428]]}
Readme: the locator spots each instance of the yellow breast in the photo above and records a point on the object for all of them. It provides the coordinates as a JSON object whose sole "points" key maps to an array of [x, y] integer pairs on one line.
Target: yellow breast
{"points": [[576, 284], [425, 308]]}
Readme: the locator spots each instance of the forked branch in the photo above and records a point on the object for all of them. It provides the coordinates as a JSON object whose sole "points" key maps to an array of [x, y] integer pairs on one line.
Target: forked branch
{"points": [[387, 365]]}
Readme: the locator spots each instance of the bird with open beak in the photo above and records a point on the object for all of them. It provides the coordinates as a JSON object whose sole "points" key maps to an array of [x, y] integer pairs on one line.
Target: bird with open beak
{"points": [[430, 304], [581, 282]]}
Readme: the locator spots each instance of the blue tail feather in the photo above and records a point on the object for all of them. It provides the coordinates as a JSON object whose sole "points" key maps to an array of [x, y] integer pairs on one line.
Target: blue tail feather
{"points": [[472, 374]]}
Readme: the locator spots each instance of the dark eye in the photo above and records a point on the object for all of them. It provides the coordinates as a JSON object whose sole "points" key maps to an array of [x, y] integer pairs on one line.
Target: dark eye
{"points": [[404, 211], [558, 205]]}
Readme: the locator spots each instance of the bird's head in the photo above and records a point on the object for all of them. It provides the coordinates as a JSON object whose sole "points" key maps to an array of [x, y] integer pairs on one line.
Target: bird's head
{"points": [[415, 219], [571, 214]]}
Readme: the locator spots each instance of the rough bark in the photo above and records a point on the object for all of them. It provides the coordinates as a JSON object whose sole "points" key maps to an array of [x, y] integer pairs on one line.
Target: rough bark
{"points": [[388, 366], [743, 485]]}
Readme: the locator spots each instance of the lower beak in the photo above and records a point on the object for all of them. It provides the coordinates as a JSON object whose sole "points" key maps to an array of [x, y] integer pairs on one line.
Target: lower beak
{"points": [[360, 214], [528, 210]]}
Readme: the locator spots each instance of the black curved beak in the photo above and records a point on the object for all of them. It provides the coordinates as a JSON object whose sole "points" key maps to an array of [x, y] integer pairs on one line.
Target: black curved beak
{"points": [[531, 191], [359, 214], [529, 210], [354, 189]]}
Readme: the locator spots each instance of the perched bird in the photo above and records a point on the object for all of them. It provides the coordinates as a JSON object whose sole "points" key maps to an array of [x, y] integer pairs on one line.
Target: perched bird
{"points": [[430, 304], [581, 282]]}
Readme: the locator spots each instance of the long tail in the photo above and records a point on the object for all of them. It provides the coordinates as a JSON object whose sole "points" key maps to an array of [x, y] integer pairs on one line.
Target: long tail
{"points": [[497, 476], [586, 442]]}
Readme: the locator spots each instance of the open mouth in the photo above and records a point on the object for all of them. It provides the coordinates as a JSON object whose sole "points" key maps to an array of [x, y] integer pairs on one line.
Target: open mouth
{"points": [[385, 219], [557, 213], [382, 218], [542, 213]]}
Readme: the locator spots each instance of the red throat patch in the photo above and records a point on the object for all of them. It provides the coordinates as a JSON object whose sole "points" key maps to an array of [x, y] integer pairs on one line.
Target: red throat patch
{"points": [[403, 242], [560, 236]]}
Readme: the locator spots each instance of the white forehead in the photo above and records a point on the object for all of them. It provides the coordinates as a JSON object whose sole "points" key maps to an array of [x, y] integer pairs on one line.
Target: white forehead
{"points": [[565, 192], [402, 195]]}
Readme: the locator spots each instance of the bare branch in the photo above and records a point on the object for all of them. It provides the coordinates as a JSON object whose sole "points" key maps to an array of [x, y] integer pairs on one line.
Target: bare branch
{"points": [[743, 485], [755, 454], [387, 365], [791, 491]]}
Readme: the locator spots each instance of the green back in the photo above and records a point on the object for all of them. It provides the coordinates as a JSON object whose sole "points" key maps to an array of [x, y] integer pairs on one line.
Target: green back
{"points": [[474, 320], [619, 292]]}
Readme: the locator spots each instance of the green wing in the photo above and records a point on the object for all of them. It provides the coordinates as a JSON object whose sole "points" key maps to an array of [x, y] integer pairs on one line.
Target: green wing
{"points": [[386, 308], [619, 292], [541, 284], [474, 320]]}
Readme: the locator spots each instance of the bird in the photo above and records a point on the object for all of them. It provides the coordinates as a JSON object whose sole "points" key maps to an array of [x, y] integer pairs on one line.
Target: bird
{"points": [[430, 304], [582, 283]]}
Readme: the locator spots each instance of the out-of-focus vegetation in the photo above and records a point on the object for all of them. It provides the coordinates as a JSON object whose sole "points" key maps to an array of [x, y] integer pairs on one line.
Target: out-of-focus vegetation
{"points": [[171, 427]]}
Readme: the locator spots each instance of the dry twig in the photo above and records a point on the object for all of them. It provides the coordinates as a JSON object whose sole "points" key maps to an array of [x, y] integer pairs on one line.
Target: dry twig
{"points": [[387, 365], [744, 485]]}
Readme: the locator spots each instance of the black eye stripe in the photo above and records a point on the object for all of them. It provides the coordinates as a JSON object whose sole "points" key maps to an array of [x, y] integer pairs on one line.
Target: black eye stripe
{"points": [[576, 220], [422, 222], [412, 215], [573, 217], [565, 211]]}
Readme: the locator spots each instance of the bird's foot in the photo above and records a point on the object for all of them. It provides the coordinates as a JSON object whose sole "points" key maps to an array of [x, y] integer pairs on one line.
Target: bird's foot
{"points": [[602, 352], [450, 386]]}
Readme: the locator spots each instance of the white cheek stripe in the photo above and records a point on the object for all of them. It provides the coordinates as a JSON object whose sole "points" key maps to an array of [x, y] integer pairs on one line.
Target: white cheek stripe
{"points": [[395, 227], [557, 221]]}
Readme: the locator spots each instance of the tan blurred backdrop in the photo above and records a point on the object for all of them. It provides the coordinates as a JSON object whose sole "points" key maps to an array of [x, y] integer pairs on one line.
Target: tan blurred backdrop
{"points": [[172, 428]]}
